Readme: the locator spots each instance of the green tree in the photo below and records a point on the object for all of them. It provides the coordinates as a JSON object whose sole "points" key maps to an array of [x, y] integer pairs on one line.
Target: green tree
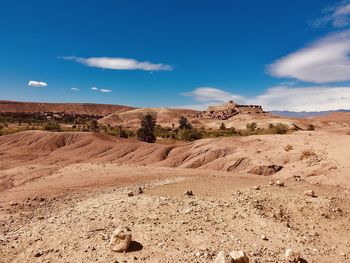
{"points": [[146, 132], [184, 124]]}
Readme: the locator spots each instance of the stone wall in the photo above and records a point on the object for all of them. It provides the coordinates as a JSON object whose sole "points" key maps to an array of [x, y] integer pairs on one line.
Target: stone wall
{"points": [[227, 110]]}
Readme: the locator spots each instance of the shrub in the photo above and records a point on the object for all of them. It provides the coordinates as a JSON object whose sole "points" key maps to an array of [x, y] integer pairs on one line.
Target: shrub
{"points": [[123, 133], [52, 126], [93, 125], [189, 135], [252, 126], [184, 124], [288, 148], [222, 126], [307, 154], [311, 127], [280, 128]]}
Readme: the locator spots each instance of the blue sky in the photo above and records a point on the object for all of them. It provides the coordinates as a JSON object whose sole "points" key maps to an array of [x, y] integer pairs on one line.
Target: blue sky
{"points": [[177, 53]]}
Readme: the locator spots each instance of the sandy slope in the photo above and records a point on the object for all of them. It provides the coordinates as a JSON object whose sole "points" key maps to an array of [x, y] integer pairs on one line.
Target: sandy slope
{"points": [[63, 194], [131, 118], [315, 156]]}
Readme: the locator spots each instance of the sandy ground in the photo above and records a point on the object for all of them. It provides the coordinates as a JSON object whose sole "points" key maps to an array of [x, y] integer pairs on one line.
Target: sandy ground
{"points": [[64, 194]]}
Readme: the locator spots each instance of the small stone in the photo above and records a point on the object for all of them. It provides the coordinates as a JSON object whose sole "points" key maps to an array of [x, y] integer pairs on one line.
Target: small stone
{"points": [[279, 183], [13, 203], [222, 257], [130, 194], [38, 254], [239, 257], [140, 190], [263, 237], [310, 193], [198, 254], [292, 256], [188, 193], [120, 240], [257, 187]]}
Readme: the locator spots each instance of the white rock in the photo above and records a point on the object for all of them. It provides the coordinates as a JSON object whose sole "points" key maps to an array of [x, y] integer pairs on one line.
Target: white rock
{"points": [[263, 237], [120, 240], [222, 257], [239, 257], [310, 193], [292, 255], [13, 203]]}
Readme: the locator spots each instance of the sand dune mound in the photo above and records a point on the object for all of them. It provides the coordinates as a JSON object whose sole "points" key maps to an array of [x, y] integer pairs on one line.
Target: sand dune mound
{"points": [[315, 156]]}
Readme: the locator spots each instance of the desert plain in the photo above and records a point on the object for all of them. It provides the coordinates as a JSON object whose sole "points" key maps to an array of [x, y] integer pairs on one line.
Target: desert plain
{"points": [[63, 194]]}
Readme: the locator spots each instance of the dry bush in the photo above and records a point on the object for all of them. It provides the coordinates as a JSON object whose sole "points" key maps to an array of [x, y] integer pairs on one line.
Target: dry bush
{"points": [[288, 148], [307, 154]]}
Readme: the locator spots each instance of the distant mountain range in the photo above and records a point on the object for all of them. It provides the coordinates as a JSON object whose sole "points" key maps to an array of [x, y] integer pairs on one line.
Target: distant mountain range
{"points": [[305, 114], [69, 108]]}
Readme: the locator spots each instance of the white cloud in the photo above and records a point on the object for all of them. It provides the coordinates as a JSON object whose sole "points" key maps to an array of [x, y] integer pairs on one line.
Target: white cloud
{"points": [[336, 15], [34, 83], [74, 89], [324, 61], [304, 99], [283, 98], [94, 88], [105, 90], [119, 63], [209, 94]]}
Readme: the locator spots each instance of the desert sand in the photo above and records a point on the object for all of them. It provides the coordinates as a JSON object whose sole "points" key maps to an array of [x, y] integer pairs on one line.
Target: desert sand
{"points": [[63, 195]]}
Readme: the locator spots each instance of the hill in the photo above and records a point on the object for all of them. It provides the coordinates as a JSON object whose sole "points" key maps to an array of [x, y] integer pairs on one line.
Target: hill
{"points": [[131, 118], [69, 108], [310, 155]]}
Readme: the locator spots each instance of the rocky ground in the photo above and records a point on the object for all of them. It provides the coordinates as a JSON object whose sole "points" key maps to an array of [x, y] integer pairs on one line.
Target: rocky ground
{"points": [[225, 213], [63, 195]]}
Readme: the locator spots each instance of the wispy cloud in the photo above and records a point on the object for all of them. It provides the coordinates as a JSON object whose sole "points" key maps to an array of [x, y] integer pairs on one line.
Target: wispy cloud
{"points": [[101, 90], [337, 15], [34, 83], [282, 98], [209, 94], [119, 63], [304, 99], [105, 90], [76, 89], [325, 61]]}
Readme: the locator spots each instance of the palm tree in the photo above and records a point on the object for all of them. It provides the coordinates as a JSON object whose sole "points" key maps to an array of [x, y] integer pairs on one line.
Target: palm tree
{"points": [[146, 132]]}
